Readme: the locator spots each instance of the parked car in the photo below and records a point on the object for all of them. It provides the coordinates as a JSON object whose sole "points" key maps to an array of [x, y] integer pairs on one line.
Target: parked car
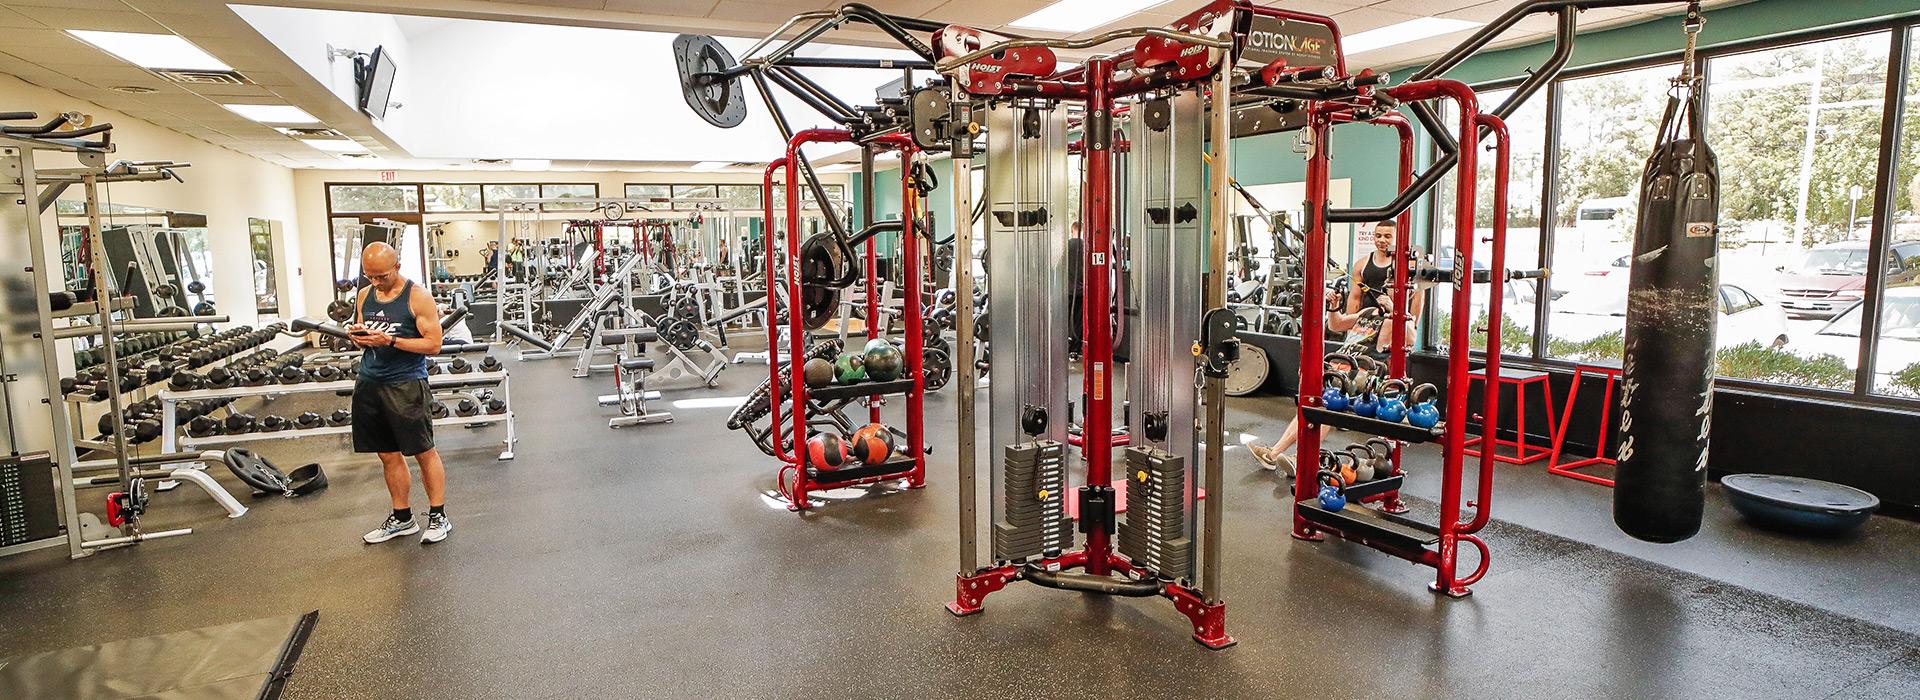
{"points": [[1744, 318], [1899, 335], [1833, 276]]}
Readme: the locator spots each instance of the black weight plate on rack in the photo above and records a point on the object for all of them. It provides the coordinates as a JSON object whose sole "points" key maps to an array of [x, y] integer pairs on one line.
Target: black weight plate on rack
{"points": [[721, 103], [680, 333]]}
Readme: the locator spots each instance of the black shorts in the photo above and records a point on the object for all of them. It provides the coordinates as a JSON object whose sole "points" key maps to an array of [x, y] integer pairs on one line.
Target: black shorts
{"points": [[392, 417]]}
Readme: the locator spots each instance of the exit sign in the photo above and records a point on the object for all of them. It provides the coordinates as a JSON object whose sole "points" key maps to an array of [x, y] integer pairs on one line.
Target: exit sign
{"points": [[389, 176]]}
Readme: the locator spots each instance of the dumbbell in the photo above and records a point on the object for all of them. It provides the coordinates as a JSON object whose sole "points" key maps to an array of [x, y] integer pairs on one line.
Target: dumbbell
{"points": [[340, 417], [490, 364], [239, 423], [293, 359], [496, 407], [258, 376], [466, 408], [309, 420], [438, 410], [146, 430], [433, 368], [290, 374], [273, 423], [460, 365], [326, 373], [185, 381], [203, 426], [219, 378]]}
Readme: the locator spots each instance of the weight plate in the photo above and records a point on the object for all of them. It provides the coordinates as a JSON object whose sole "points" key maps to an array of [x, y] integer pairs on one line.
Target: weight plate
{"points": [[679, 333], [935, 368], [255, 470], [721, 103], [1247, 373]]}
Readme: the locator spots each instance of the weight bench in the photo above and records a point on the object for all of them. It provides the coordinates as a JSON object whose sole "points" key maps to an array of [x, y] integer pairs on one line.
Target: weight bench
{"points": [[633, 395]]}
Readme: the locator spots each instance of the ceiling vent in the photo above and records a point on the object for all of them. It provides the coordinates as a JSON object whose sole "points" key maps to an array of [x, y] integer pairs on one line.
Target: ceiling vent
{"points": [[313, 133], [357, 155], [202, 77]]}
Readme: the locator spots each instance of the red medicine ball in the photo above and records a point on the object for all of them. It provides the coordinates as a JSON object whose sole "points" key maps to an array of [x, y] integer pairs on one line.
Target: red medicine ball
{"points": [[826, 451]]}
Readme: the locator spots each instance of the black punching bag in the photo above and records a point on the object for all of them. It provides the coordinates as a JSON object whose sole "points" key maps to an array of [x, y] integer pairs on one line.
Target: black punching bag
{"points": [[1666, 398]]}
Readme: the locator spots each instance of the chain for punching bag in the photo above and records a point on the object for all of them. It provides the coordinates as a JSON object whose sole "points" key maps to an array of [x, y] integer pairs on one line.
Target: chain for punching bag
{"points": [[1666, 397]]}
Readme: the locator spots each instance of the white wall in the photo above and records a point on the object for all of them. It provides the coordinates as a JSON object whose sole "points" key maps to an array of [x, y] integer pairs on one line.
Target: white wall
{"points": [[227, 186], [306, 35]]}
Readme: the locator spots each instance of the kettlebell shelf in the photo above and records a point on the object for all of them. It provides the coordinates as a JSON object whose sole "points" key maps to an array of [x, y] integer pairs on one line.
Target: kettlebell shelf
{"points": [[171, 439], [881, 471], [1403, 432], [1371, 527]]}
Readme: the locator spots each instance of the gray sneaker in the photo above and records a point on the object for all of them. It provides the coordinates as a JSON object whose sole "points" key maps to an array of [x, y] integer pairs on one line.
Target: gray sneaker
{"points": [[437, 528], [393, 527]]}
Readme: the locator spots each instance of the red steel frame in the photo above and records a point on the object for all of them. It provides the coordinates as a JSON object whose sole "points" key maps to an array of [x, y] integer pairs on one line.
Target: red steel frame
{"points": [[792, 451], [1568, 469], [1099, 91], [1452, 531]]}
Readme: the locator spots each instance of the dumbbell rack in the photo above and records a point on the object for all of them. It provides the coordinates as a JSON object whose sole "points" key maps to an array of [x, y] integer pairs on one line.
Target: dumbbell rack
{"points": [[76, 401], [171, 439]]}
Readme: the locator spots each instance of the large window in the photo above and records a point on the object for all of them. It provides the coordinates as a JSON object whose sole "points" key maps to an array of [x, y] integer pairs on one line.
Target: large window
{"points": [[1896, 366], [451, 198], [694, 196], [1526, 129], [373, 198], [741, 197], [587, 191], [497, 194], [1797, 132], [1607, 124], [651, 192]]}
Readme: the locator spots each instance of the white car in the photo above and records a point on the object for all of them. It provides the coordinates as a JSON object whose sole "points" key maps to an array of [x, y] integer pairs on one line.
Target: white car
{"points": [[1899, 335], [1744, 318]]}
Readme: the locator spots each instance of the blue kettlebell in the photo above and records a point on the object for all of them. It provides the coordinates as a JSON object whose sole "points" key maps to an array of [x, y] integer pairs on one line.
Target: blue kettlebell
{"points": [[1330, 496], [1363, 402], [1424, 412], [1334, 391], [1393, 401]]}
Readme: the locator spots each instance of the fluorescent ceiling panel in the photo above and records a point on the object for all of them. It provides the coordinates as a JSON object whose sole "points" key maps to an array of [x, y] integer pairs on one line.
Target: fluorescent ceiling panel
{"points": [[1405, 32], [151, 50], [334, 145], [273, 114], [1073, 16]]}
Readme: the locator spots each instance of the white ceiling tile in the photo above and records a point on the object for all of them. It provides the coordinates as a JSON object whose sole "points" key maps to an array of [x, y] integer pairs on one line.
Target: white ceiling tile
{"points": [[1425, 8], [676, 8], [74, 6], [10, 19], [101, 20], [1362, 19]]}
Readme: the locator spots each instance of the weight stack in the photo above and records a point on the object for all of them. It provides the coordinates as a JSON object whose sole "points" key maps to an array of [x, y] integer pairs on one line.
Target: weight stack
{"points": [[1034, 519], [27, 510], [1155, 535]]}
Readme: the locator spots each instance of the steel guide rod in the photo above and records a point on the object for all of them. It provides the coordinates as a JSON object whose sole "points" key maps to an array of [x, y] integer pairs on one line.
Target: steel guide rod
{"points": [[1214, 422], [968, 377]]}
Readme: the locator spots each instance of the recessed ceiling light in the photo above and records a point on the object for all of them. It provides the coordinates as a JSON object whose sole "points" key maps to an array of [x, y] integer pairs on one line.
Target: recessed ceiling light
{"points": [[710, 165], [273, 114], [133, 89], [1072, 16], [334, 145], [151, 50], [530, 164], [1405, 32]]}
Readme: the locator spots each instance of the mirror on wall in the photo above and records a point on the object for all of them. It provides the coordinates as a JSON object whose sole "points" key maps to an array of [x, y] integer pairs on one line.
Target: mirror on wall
{"points": [[266, 270], [162, 257]]}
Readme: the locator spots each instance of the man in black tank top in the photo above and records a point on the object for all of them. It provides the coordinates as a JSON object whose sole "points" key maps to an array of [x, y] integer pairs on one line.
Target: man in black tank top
{"points": [[398, 326]]}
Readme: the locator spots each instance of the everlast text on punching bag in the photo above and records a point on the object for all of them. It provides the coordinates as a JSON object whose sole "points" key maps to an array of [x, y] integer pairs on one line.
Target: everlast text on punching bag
{"points": [[1666, 398]]}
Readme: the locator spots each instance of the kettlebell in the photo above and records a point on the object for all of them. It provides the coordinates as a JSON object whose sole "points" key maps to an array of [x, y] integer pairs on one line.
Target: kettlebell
{"points": [[1331, 497], [1363, 461], [1348, 468], [1333, 391], [1363, 402], [1382, 450], [1423, 412], [1393, 401]]}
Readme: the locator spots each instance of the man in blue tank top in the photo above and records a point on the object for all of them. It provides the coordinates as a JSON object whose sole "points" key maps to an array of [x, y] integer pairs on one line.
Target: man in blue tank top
{"points": [[397, 324]]}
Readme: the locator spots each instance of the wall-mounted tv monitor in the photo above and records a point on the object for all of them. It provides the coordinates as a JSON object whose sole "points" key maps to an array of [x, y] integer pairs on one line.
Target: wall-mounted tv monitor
{"points": [[376, 83]]}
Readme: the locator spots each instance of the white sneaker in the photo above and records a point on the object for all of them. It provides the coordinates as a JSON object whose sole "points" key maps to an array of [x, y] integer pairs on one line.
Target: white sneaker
{"points": [[437, 528], [391, 528]]}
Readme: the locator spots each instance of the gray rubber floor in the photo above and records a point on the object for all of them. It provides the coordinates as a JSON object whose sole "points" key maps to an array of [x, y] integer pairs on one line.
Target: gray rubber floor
{"points": [[648, 562]]}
